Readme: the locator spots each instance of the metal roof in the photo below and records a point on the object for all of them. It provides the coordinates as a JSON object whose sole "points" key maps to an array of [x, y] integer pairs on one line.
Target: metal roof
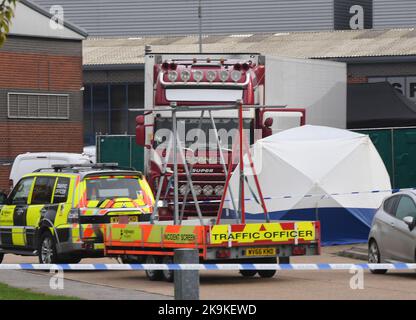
{"points": [[105, 18], [325, 45]]}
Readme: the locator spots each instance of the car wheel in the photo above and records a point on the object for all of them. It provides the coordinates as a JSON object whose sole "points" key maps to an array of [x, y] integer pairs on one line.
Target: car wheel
{"points": [[153, 275], [70, 260], [128, 259], [168, 274], [47, 249], [374, 257], [267, 273], [1, 257], [248, 273]]}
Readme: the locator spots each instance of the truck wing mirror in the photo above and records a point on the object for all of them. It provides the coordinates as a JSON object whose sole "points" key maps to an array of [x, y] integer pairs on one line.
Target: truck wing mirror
{"points": [[140, 131], [268, 122]]}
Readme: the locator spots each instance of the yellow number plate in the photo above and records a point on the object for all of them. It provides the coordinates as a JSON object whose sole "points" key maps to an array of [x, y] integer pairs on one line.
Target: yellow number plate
{"points": [[124, 219], [264, 252]]}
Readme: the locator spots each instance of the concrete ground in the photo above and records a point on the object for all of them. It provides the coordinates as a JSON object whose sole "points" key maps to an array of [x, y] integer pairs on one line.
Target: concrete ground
{"points": [[40, 282], [225, 285]]}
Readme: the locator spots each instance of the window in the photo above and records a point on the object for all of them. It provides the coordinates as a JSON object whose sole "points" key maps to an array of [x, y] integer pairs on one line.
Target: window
{"points": [[110, 188], [390, 205], [119, 112], [107, 109], [21, 192], [61, 190], [88, 117], [101, 116], [42, 191], [37, 106], [406, 208], [135, 101]]}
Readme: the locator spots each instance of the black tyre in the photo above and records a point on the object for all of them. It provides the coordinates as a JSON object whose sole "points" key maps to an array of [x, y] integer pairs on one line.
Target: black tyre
{"points": [[248, 273], [153, 275], [1, 257], [127, 259], [168, 275], [47, 249], [375, 257], [267, 273], [70, 260]]}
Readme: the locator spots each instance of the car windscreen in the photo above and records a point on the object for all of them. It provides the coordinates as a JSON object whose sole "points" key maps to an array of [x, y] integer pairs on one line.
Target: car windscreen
{"points": [[109, 188]]}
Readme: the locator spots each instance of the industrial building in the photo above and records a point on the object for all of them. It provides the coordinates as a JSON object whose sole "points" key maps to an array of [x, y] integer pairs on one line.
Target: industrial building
{"points": [[374, 37], [40, 87], [113, 68]]}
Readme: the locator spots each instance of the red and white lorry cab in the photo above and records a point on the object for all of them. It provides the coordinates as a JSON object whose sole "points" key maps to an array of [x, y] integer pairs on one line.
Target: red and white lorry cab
{"points": [[288, 93]]}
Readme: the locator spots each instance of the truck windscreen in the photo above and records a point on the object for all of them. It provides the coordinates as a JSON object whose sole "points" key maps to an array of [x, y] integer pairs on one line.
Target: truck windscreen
{"points": [[190, 136]]}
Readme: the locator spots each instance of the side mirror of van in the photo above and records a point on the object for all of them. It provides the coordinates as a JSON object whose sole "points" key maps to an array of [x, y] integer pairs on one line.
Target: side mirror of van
{"points": [[3, 198], [410, 221]]}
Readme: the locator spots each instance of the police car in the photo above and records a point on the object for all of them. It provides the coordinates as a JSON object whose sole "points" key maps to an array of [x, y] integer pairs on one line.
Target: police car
{"points": [[60, 213]]}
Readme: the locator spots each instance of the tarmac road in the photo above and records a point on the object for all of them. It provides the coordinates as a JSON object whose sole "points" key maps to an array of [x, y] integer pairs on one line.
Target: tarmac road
{"points": [[225, 285]]}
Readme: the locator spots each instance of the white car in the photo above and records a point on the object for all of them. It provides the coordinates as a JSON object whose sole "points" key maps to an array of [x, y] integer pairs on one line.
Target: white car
{"points": [[91, 152], [28, 162]]}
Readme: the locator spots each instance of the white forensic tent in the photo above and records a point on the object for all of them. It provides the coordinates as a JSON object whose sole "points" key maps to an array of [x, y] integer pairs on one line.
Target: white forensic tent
{"points": [[301, 171]]}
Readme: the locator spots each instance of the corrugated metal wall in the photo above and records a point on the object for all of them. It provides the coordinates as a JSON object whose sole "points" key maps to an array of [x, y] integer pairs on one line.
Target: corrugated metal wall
{"points": [[180, 17], [394, 14]]}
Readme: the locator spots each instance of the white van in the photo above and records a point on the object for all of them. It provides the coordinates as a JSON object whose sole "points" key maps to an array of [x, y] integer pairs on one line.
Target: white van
{"points": [[29, 162]]}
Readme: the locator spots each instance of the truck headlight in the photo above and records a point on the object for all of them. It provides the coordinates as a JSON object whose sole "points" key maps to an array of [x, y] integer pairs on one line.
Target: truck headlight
{"points": [[198, 190], [185, 75], [208, 190], [172, 76], [182, 189], [224, 75], [236, 75], [198, 75], [219, 190], [211, 75]]}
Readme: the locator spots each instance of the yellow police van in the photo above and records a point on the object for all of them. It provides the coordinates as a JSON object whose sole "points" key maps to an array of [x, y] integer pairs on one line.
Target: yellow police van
{"points": [[59, 213]]}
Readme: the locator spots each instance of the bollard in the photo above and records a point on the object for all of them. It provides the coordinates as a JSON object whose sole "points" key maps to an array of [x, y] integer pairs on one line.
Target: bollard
{"points": [[186, 281]]}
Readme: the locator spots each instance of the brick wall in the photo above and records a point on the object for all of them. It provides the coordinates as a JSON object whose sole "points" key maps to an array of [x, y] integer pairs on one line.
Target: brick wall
{"points": [[44, 66], [18, 137], [42, 72], [4, 178], [355, 79]]}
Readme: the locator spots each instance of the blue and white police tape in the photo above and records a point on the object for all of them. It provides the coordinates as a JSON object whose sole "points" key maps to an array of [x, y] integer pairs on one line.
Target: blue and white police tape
{"points": [[314, 195], [201, 267]]}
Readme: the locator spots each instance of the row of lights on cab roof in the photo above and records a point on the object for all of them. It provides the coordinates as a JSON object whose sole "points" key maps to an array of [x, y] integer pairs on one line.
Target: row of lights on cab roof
{"points": [[211, 75]]}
